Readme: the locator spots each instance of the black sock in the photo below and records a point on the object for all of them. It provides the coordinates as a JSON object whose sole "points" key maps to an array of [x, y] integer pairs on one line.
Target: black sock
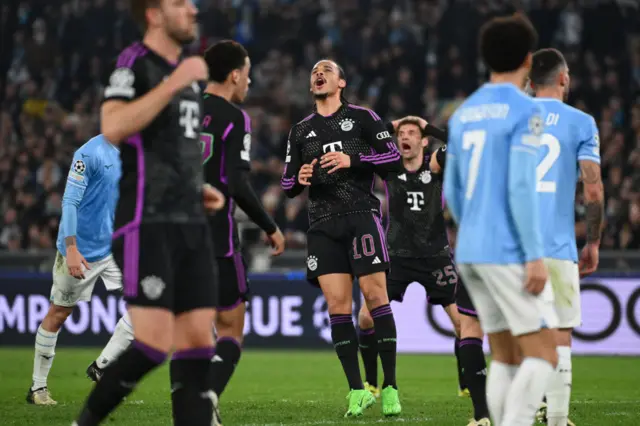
{"points": [[386, 338], [118, 380], [456, 349], [191, 394], [228, 350], [369, 353], [475, 374], [345, 341]]}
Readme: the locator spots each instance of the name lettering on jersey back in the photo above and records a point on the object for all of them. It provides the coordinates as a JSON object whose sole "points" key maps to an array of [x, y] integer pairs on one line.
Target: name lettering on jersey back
{"points": [[332, 147], [416, 200], [189, 118], [552, 119], [484, 112]]}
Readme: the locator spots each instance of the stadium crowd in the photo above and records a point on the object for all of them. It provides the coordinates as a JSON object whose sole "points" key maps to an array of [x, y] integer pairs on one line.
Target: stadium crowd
{"points": [[401, 57]]}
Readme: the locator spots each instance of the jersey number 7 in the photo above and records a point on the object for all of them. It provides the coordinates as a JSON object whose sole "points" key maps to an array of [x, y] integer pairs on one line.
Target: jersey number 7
{"points": [[206, 145], [474, 140]]}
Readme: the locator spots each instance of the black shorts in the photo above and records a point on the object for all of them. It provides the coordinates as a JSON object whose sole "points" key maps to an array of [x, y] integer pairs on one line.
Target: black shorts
{"points": [[233, 282], [350, 244], [465, 306], [438, 276], [168, 265]]}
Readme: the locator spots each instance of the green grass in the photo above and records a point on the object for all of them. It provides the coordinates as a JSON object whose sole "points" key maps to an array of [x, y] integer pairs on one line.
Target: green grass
{"points": [[307, 388]]}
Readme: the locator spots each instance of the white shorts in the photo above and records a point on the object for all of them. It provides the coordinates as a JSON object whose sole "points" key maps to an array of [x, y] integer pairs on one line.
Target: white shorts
{"points": [[502, 303], [562, 292], [67, 291]]}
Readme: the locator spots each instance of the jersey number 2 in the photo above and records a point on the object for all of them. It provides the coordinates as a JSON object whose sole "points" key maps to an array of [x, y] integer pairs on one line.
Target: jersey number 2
{"points": [[547, 162], [206, 145]]}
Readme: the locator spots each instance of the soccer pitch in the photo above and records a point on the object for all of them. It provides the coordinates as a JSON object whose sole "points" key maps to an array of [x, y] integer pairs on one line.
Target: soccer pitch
{"points": [[307, 388]]}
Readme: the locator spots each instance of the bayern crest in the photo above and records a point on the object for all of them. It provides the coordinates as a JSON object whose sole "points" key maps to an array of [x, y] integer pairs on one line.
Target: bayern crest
{"points": [[425, 177], [346, 124]]}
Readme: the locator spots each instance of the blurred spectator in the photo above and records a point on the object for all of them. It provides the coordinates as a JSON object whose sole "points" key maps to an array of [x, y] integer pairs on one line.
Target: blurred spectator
{"points": [[401, 57]]}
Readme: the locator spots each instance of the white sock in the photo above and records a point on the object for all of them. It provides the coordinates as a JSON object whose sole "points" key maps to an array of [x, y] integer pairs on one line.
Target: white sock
{"points": [[498, 383], [526, 392], [559, 389], [119, 342], [43, 358]]}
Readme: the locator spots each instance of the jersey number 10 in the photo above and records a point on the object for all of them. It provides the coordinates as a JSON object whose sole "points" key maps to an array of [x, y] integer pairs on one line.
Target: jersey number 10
{"points": [[474, 140]]}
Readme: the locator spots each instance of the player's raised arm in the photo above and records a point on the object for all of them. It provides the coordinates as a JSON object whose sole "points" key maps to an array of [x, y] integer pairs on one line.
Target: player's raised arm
{"points": [[523, 198], [124, 112], [589, 159], [289, 181], [238, 166], [82, 168], [386, 157]]}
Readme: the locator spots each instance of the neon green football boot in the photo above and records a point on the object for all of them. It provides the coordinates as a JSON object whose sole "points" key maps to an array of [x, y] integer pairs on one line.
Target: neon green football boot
{"points": [[359, 400], [390, 402]]}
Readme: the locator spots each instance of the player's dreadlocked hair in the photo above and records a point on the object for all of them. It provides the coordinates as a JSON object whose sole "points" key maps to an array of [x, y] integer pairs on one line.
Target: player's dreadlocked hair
{"points": [[505, 42], [139, 11], [343, 76], [546, 65]]}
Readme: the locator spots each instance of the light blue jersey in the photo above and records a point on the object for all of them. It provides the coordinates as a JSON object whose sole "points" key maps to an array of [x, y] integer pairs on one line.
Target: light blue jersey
{"points": [[569, 136], [90, 198], [490, 178]]}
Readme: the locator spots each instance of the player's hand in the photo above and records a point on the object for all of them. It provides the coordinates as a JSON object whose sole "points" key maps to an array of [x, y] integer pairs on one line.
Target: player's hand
{"points": [[75, 262], [190, 70], [277, 242], [536, 276], [422, 121], [305, 173], [589, 259], [212, 198], [335, 160]]}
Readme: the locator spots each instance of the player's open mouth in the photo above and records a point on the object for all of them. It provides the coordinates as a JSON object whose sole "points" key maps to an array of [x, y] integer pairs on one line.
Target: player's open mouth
{"points": [[405, 148], [319, 83]]}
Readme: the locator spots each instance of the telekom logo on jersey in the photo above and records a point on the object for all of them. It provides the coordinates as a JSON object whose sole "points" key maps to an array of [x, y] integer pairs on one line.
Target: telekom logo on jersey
{"points": [[189, 118], [416, 200]]}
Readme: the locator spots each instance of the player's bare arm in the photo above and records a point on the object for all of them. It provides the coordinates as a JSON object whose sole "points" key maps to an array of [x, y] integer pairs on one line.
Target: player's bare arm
{"points": [[121, 119], [594, 206], [75, 260], [212, 198]]}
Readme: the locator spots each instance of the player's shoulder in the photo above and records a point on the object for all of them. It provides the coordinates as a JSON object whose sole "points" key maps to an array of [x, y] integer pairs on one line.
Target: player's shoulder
{"points": [[302, 125], [362, 113], [223, 108], [93, 145], [131, 55]]}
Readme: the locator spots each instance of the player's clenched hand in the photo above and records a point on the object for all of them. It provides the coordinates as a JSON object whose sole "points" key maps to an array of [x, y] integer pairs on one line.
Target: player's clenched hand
{"points": [[76, 262], [277, 242], [335, 160], [536, 276], [589, 259], [305, 173], [212, 198], [190, 70]]}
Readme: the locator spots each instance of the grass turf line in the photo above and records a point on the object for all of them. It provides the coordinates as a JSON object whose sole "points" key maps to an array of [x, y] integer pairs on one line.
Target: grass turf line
{"points": [[305, 389]]}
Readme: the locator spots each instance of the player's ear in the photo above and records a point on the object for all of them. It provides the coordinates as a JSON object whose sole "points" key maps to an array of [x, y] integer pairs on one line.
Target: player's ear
{"points": [[424, 141], [235, 76], [342, 83], [154, 16]]}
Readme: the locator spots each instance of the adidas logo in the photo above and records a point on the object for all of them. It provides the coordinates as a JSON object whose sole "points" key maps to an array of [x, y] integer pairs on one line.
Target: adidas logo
{"points": [[217, 358], [311, 134], [376, 261]]}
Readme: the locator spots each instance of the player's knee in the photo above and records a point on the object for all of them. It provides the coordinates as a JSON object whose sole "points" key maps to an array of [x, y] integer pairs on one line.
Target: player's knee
{"points": [[56, 316], [153, 327], [231, 323], [364, 319], [374, 290], [563, 336], [194, 329], [470, 328]]}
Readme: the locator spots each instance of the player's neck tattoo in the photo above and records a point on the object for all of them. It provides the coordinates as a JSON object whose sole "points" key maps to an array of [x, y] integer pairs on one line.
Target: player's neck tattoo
{"points": [[70, 241]]}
